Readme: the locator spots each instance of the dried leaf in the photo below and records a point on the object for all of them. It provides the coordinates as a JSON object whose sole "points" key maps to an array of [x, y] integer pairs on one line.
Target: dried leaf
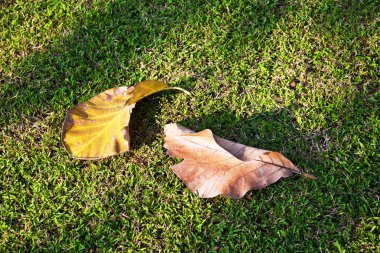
{"points": [[99, 127], [214, 166]]}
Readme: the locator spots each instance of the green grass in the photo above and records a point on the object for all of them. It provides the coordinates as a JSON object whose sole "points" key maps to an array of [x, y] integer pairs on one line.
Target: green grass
{"points": [[298, 77]]}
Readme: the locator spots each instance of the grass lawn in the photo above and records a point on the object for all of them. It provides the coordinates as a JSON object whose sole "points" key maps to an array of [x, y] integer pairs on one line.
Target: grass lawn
{"points": [[298, 77]]}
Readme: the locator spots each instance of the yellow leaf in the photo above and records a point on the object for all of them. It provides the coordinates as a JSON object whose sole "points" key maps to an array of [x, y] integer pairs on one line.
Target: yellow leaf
{"points": [[99, 127]]}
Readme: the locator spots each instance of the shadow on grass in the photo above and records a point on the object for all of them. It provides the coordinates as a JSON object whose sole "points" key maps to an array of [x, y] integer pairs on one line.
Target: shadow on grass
{"points": [[104, 51], [144, 128]]}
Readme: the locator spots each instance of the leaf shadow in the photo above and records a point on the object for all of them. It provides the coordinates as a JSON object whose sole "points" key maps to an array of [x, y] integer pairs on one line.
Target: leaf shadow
{"points": [[143, 125], [272, 130]]}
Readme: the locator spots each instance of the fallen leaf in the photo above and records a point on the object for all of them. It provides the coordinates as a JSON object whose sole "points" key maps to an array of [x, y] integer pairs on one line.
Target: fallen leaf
{"points": [[99, 127], [214, 166]]}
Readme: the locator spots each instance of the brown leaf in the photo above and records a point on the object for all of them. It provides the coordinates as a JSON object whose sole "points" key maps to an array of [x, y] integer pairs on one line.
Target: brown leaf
{"points": [[99, 127], [214, 166]]}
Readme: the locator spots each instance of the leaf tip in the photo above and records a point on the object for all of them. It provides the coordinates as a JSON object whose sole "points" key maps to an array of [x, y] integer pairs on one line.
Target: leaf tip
{"points": [[310, 176], [180, 89]]}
